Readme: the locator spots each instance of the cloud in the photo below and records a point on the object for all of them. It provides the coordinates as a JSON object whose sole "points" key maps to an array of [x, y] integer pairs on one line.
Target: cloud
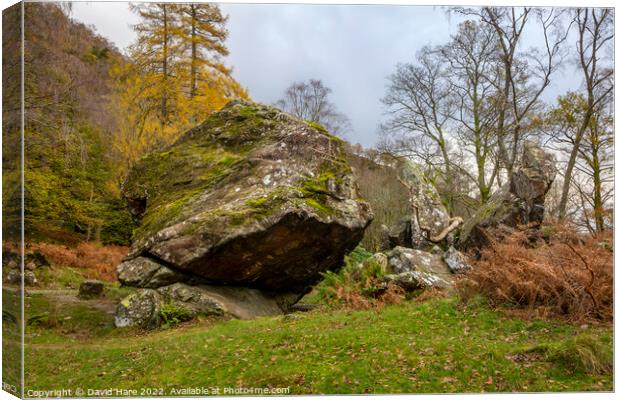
{"points": [[352, 49]]}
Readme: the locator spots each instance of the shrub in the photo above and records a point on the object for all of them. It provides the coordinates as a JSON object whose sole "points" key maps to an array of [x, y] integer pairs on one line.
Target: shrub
{"points": [[568, 275], [172, 314], [355, 287], [93, 260], [584, 353]]}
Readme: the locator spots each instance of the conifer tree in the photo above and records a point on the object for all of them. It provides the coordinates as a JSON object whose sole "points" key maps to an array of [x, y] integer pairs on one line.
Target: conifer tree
{"points": [[203, 31], [157, 52]]}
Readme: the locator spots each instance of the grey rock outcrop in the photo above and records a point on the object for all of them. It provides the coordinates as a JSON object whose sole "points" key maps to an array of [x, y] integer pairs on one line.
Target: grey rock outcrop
{"points": [[414, 269], [520, 201], [429, 222]]}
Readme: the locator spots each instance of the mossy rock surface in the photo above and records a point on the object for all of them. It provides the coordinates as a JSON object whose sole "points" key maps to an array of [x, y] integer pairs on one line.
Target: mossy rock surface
{"points": [[252, 197]]}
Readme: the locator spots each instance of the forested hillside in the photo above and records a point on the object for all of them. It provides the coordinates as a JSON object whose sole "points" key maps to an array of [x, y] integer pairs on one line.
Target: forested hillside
{"points": [[91, 111]]}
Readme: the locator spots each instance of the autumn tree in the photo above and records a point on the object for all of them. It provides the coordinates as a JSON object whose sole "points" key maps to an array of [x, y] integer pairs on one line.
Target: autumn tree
{"points": [[440, 111], [203, 32], [69, 191], [595, 165], [591, 190], [175, 77], [472, 56], [310, 101], [464, 108], [157, 53]]}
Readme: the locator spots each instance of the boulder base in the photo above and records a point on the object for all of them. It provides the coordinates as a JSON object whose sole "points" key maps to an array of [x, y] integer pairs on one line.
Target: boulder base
{"points": [[147, 308]]}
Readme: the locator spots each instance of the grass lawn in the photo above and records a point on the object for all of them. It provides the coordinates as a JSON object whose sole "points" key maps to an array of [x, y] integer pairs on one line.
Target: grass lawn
{"points": [[431, 347]]}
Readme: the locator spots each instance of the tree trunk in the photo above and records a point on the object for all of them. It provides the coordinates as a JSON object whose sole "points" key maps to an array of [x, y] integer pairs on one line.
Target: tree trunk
{"points": [[164, 98], [571, 165], [194, 69], [597, 182]]}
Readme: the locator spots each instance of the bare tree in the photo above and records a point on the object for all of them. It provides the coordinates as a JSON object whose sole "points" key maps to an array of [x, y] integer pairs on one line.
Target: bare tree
{"points": [[419, 107], [595, 29], [524, 74], [472, 55], [441, 111], [310, 101]]}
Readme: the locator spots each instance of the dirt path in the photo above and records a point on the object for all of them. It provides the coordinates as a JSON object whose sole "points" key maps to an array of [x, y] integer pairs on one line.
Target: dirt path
{"points": [[69, 296]]}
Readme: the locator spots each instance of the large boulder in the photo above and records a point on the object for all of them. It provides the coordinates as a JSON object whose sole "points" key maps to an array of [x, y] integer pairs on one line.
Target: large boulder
{"points": [[520, 201], [253, 198]]}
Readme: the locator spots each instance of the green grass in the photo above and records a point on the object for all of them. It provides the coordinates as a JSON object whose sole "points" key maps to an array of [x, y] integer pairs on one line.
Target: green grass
{"points": [[11, 339], [59, 278], [436, 346]]}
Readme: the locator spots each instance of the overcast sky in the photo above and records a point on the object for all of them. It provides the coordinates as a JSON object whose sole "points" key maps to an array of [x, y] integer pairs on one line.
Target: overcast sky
{"points": [[352, 49]]}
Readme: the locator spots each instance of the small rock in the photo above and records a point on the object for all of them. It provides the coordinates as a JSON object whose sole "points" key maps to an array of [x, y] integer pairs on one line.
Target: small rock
{"points": [[456, 261], [31, 266], [413, 280], [14, 277], [10, 259], [29, 278], [90, 289], [140, 309]]}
